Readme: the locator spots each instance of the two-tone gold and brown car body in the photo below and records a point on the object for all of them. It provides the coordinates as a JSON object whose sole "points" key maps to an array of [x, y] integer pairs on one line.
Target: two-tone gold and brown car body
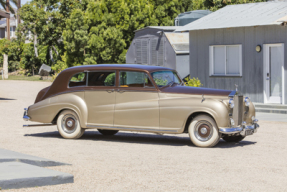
{"points": [[168, 110]]}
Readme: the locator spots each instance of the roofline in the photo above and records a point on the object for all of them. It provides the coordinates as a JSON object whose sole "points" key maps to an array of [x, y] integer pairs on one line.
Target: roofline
{"points": [[150, 27], [274, 24], [4, 14]]}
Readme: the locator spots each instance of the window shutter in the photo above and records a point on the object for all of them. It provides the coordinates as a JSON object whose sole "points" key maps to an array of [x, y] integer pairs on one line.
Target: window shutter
{"points": [[138, 51], [232, 60], [219, 60], [144, 44]]}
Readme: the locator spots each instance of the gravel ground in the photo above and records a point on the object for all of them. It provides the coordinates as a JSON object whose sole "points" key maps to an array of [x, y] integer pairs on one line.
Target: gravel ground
{"points": [[145, 162]]}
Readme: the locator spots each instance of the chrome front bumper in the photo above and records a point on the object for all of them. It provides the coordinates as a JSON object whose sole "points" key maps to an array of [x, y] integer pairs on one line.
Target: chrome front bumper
{"points": [[243, 130], [25, 116]]}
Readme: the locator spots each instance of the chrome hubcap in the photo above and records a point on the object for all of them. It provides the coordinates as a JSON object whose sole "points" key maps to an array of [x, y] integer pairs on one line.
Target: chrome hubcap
{"points": [[69, 123], [203, 130]]}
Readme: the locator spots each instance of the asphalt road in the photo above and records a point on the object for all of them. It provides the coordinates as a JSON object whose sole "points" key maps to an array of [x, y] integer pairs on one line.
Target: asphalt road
{"points": [[145, 162]]}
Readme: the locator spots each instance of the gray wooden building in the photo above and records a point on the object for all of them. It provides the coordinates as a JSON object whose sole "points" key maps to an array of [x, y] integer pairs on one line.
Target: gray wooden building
{"points": [[158, 45], [244, 45]]}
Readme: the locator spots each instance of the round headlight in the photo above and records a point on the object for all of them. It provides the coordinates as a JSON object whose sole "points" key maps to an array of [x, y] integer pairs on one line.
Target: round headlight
{"points": [[247, 101], [231, 103]]}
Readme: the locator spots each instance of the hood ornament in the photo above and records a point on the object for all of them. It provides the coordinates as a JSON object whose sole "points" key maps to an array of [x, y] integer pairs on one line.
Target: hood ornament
{"points": [[203, 99]]}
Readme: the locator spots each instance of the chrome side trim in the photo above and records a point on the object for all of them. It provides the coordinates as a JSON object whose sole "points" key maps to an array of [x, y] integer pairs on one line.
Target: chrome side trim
{"points": [[38, 125], [131, 129]]}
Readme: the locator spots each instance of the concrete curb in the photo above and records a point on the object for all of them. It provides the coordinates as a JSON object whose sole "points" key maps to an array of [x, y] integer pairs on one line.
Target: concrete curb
{"points": [[8, 156], [15, 175], [18, 170]]}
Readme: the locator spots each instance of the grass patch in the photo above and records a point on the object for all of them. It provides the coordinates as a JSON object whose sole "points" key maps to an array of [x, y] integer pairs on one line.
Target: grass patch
{"points": [[26, 78]]}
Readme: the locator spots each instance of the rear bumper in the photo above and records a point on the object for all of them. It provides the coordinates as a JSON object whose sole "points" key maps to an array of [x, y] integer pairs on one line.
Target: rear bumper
{"points": [[243, 130], [25, 115]]}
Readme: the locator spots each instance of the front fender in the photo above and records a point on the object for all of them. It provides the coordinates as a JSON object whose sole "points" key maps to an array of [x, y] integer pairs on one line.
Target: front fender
{"points": [[176, 109], [45, 111]]}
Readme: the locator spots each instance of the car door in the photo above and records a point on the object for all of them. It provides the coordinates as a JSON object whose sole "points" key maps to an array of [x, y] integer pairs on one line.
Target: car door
{"points": [[100, 98], [136, 101]]}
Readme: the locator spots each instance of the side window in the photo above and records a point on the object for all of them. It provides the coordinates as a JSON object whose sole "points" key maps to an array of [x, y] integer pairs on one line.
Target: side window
{"points": [[78, 79], [102, 78], [134, 79]]}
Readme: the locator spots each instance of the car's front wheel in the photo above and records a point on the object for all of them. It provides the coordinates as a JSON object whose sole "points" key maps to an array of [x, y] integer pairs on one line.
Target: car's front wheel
{"points": [[203, 131], [108, 132], [69, 125]]}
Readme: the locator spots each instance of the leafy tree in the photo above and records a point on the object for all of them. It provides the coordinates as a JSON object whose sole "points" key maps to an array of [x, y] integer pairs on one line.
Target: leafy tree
{"points": [[30, 61]]}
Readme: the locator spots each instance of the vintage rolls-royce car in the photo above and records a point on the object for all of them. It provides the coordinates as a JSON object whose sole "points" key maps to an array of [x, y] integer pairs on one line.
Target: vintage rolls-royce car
{"points": [[140, 98]]}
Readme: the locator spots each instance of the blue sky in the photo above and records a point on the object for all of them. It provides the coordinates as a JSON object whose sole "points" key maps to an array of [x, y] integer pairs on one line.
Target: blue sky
{"points": [[22, 2]]}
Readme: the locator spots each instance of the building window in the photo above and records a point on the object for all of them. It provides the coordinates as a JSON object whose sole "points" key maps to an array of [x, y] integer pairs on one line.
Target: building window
{"points": [[225, 60]]}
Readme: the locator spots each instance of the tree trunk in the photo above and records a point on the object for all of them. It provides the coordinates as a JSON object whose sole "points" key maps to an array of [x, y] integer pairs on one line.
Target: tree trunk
{"points": [[51, 55], [55, 50], [35, 45], [5, 66]]}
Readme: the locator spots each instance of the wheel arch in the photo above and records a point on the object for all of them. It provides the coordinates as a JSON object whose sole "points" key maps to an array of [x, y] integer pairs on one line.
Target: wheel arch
{"points": [[54, 121], [192, 116]]}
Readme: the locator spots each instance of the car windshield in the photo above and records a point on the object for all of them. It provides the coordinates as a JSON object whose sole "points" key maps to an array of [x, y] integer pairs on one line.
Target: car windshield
{"points": [[164, 78]]}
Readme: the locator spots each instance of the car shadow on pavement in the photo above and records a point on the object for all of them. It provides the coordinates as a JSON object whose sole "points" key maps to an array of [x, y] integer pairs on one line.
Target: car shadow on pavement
{"points": [[141, 138], [6, 99]]}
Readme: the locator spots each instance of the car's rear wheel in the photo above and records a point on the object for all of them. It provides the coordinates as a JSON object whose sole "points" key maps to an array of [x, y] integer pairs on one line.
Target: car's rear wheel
{"points": [[203, 131], [108, 132], [69, 125], [235, 139]]}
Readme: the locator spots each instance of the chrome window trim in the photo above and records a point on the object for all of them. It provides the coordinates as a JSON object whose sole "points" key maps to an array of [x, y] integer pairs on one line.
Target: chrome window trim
{"points": [[130, 129], [73, 76], [171, 71], [135, 87], [115, 71]]}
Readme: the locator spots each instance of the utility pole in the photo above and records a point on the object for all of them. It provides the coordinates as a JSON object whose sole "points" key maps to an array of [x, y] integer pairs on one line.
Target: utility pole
{"points": [[8, 20], [18, 11]]}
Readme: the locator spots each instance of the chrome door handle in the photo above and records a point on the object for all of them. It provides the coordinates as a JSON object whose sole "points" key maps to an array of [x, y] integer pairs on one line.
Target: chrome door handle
{"points": [[120, 91], [110, 90]]}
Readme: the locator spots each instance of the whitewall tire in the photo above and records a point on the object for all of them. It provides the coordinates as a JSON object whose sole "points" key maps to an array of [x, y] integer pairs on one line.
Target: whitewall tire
{"points": [[203, 131], [69, 125]]}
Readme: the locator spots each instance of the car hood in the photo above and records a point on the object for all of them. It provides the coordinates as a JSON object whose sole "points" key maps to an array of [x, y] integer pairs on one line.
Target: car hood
{"points": [[195, 90]]}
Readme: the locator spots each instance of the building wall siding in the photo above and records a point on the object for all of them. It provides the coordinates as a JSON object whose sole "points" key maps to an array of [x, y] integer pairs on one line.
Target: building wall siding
{"points": [[251, 82]]}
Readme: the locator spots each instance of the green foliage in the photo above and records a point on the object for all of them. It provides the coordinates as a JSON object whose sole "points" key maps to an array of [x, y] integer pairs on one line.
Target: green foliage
{"points": [[79, 32], [78, 77], [160, 81], [29, 60], [110, 79], [13, 49], [194, 82]]}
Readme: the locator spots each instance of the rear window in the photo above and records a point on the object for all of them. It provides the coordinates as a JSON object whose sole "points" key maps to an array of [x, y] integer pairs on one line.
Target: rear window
{"points": [[78, 80], [102, 78]]}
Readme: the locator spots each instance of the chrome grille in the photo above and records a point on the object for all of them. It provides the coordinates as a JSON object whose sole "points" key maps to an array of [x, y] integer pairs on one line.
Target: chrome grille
{"points": [[238, 109]]}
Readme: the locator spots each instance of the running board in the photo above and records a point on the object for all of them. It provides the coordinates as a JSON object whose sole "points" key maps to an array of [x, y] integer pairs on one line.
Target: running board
{"points": [[132, 129], [38, 125]]}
